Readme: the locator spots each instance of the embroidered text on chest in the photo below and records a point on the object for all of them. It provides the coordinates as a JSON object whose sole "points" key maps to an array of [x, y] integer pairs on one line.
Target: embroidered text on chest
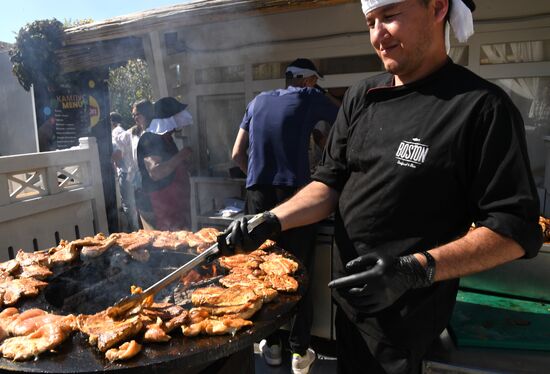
{"points": [[411, 153]]}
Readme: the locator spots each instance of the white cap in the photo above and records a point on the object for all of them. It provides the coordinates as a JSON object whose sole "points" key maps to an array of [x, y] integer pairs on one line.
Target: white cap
{"points": [[460, 17]]}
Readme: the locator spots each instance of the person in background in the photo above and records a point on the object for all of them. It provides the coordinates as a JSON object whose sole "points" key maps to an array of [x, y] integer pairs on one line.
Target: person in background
{"points": [[272, 149], [123, 160], [46, 135], [415, 156], [142, 113], [163, 167]]}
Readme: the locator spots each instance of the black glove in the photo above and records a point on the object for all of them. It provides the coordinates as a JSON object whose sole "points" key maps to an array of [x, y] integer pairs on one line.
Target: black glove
{"points": [[378, 280], [238, 238]]}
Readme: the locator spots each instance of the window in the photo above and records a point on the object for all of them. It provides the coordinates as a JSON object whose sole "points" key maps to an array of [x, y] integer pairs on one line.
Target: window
{"points": [[225, 74], [515, 52]]}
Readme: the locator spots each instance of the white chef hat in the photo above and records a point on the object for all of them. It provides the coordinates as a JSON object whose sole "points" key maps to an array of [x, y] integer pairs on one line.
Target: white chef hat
{"points": [[460, 17], [176, 122]]}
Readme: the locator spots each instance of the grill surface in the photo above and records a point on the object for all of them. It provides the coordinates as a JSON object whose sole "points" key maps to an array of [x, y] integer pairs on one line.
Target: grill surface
{"points": [[192, 354]]}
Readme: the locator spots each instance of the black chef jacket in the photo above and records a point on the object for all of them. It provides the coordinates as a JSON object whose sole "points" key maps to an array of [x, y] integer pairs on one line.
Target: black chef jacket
{"points": [[415, 165]]}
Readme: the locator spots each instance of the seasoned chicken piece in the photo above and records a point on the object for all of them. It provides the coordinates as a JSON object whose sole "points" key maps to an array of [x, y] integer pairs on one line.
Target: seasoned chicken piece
{"points": [[198, 314], [32, 319], [169, 240], [107, 332], [124, 352], [240, 261], [164, 311], [244, 311], [193, 240], [216, 326], [259, 287], [266, 245], [98, 246], [136, 243], [9, 267], [155, 332], [278, 265], [223, 297], [7, 316], [98, 239], [23, 316], [64, 253], [14, 289], [177, 321], [44, 339], [282, 282], [35, 271], [208, 235], [30, 258], [135, 240]]}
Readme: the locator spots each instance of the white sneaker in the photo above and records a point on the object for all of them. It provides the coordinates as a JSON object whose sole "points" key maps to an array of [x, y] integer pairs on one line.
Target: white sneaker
{"points": [[301, 364], [271, 354]]}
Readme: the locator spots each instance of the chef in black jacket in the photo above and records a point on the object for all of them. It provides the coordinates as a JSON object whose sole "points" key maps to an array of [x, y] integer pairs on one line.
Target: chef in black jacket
{"points": [[416, 155]]}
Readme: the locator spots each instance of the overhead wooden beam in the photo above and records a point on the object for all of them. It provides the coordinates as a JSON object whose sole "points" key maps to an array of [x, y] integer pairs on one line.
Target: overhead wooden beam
{"points": [[196, 13]]}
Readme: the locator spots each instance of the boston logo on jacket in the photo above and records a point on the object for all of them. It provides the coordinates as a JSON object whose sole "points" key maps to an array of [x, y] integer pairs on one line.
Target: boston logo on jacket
{"points": [[411, 153]]}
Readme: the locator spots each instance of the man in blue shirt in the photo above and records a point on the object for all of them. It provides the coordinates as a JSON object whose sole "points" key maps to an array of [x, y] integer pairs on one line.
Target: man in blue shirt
{"points": [[272, 149]]}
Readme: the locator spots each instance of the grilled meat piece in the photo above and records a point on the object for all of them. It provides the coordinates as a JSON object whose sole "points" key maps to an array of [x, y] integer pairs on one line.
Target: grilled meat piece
{"points": [[240, 261], [177, 321], [35, 271], [97, 245], [259, 287], [27, 314], [136, 244], [278, 265], [30, 258], [124, 352], [282, 282], [155, 332], [107, 332], [223, 297], [198, 314], [9, 267], [164, 311], [169, 240], [244, 311], [44, 339], [7, 316], [31, 320], [64, 253], [266, 245], [216, 326], [208, 235], [14, 289]]}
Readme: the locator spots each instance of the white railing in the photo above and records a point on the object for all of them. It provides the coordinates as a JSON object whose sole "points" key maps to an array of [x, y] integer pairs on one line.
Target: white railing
{"points": [[48, 196]]}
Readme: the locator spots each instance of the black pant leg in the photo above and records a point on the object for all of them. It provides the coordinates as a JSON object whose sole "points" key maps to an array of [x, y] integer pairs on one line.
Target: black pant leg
{"points": [[352, 351], [301, 242]]}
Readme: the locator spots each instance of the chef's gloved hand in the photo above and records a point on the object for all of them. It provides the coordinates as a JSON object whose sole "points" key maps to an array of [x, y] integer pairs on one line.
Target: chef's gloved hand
{"points": [[378, 280], [239, 237]]}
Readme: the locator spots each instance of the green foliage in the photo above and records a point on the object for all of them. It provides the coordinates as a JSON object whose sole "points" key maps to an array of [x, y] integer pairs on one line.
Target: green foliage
{"points": [[68, 22], [128, 84], [33, 55]]}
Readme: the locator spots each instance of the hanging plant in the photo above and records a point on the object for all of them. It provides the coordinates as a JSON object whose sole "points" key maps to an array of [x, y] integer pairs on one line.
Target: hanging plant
{"points": [[33, 55]]}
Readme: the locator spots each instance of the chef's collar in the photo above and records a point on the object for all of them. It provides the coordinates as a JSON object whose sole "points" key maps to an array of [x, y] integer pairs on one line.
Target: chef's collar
{"points": [[460, 17]]}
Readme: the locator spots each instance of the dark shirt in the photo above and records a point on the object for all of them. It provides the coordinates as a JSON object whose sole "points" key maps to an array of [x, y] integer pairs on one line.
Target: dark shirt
{"points": [[279, 124], [415, 165], [162, 146]]}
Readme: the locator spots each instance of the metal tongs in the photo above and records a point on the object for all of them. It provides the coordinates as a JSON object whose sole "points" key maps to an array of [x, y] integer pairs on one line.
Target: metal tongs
{"points": [[129, 302]]}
